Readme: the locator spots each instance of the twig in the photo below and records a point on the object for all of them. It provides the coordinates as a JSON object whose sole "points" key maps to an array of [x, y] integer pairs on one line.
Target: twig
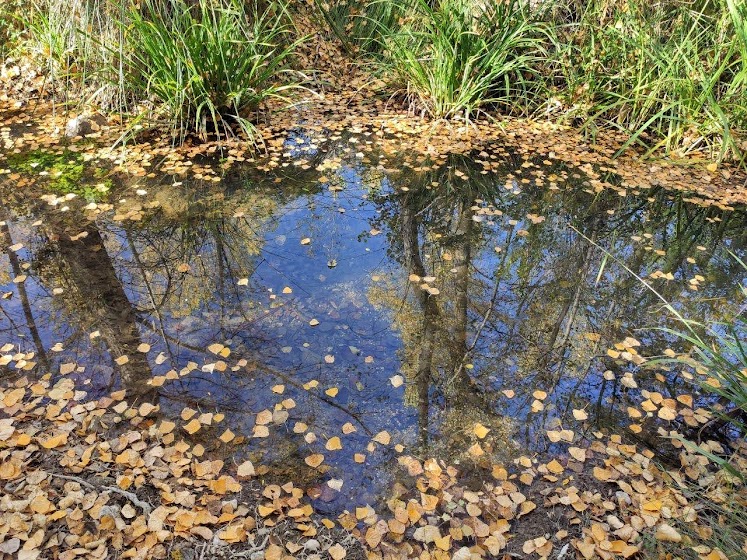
{"points": [[145, 506], [255, 548]]}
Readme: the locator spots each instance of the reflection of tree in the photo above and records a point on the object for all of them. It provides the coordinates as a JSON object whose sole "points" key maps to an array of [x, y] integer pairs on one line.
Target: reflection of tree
{"points": [[15, 267], [433, 233], [541, 313], [90, 280]]}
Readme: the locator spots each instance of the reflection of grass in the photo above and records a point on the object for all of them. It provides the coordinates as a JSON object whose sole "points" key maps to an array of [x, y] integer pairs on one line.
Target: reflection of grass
{"points": [[67, 172]]}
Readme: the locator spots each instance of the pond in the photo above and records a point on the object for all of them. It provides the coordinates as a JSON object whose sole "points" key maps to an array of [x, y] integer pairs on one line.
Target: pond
{"points": [[362, 307]]}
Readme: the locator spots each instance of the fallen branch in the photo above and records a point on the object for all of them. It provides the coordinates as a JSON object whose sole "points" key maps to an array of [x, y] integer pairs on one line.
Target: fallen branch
{"points": [[145, 506]]}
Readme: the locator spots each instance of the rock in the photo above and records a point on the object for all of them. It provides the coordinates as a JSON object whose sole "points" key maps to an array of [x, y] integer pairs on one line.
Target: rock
{"points": [[83, 125], [79, 126], [312, 545], [259, 555]]}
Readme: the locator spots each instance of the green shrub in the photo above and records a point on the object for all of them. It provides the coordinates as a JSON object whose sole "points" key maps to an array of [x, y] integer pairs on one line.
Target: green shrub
{"points": [[208, 63], [457, 57], [10, 28]]}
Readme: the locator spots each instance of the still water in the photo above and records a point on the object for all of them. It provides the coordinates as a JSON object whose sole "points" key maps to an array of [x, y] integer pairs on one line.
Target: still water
{"points": [[417, 300]]}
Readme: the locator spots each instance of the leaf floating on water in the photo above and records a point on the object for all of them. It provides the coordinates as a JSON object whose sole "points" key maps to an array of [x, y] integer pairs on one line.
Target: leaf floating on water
{"points": [[577, 453], [383, 438], [397, 380], [313, 322], [480, 431], [146, 408], [300, 427], [278, 389], [305, 241], [193, 426], [329, 358], [580, 414], [287, 290], [261, 431], [143, 348], [243, 282], [314, 460], [227, 436], [215, 348], [187, 413], [263, 417], [183, 268], [333, 444], [348, 428], [332, 392], [335, 484], [245, 470]]}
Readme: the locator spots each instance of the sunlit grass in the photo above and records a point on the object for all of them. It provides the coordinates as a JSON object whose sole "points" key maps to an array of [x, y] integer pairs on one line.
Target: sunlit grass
{"points": [[210, 64], [670, 75], [457, 58]]}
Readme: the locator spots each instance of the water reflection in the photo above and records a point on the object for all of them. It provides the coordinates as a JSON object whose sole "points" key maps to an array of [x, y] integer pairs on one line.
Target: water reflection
{"points": [[470, 285]]}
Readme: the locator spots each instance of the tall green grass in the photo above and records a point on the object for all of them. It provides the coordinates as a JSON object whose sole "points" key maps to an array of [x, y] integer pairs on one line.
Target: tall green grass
{"points": [[359, 24], [670, 74], [209, 63], [458, 57]]}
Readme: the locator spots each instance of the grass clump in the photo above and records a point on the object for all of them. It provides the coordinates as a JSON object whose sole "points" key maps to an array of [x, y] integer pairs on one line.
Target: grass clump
{"points": [[457, 57], [210, 62]]}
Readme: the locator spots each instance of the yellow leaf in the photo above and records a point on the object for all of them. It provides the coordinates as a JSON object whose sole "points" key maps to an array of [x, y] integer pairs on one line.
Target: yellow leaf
{"points": [[227, 436], [580, 414], [314, 460], [577, 453], [54, 441], [245, 470], [333, 444], [337, 552], [260, 431], [332, 392], [193, 426], [480, 430], [383, 438]]}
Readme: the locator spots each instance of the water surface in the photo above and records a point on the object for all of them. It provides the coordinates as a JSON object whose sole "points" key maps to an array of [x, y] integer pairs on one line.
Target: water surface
{"points": [[419, 300]]}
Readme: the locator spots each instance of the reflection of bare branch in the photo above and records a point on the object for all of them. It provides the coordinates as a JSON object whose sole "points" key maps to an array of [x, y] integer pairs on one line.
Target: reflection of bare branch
{"points": [[25, 304], [139, 263], [286, 379]]}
